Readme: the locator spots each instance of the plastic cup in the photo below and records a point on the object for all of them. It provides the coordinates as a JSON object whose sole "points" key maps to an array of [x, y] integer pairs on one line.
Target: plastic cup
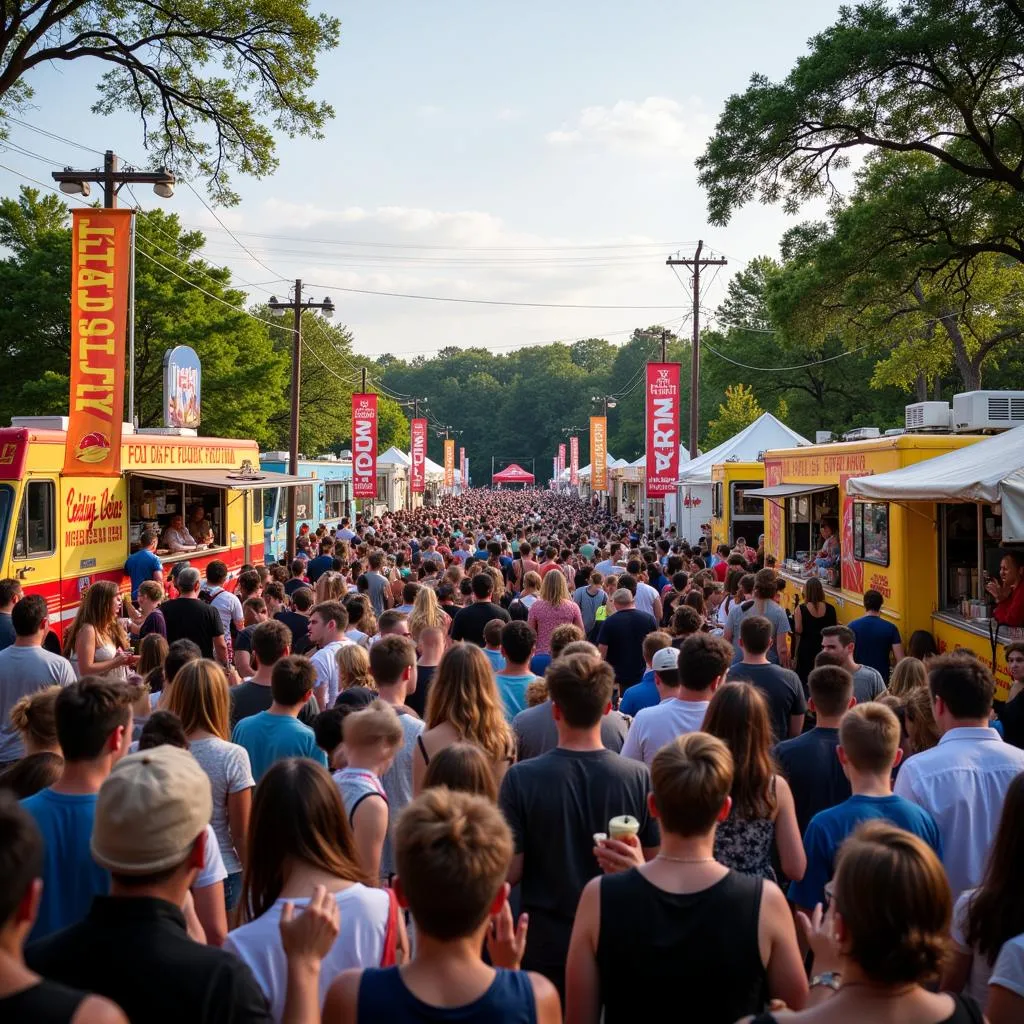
{"points": [[623, 826]]}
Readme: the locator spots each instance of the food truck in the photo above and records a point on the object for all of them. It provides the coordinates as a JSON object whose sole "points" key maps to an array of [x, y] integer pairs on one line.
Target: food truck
{"points": [[889, 547], [61, 532], [733, 514]]}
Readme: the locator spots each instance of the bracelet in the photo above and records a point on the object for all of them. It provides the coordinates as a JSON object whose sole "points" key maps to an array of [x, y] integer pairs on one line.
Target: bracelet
{"points": [[827, 979]]}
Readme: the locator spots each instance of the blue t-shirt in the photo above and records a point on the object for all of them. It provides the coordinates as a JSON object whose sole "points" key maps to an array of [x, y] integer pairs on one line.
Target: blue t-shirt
{"points": [[539, 664], [70, 876], [496, 659], [316, 567], [640, 695], [140, 567], [828, 829], [7, 634], [875, 636], [513, 693], [269, 738]]}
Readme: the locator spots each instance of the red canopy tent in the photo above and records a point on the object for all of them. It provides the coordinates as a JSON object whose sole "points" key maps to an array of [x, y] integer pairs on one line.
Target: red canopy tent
{"points": [[514, 474]]}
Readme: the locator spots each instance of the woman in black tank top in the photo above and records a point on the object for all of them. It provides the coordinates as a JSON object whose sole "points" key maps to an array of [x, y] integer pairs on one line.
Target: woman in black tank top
{"points": [[42, 1003], [884, 935]]}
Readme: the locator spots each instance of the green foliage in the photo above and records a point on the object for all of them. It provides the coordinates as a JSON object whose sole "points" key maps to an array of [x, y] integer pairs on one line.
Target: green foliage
{"points": [[739, 410], [212, 81]]}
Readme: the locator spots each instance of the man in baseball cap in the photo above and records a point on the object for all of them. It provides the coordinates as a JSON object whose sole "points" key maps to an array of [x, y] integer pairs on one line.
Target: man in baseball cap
{"points": [[133, 947], [686, 678]]}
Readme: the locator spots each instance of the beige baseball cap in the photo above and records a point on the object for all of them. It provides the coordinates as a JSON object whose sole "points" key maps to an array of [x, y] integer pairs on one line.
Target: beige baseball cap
{"points": [[150, 810]]}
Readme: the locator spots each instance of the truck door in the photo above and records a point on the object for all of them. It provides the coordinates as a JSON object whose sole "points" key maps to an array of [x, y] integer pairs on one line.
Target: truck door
{"points": [[35, 559]]}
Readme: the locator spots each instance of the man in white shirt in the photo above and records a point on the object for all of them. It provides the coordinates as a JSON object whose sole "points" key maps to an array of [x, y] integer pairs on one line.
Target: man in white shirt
{"points": [[686, 679], [646, 598], [962, 782], [327, 624], [610, 566], [345, 533], [228, 607], [176, 538]]}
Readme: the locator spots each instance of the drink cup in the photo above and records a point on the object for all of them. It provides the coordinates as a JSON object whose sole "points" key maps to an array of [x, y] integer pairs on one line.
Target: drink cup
{"points": [[622, 827]]}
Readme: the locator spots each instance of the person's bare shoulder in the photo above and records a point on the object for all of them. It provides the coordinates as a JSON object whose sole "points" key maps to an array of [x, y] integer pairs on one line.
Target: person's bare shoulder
{"points": [[97, 1010], [342, 997], [549, 1005]]}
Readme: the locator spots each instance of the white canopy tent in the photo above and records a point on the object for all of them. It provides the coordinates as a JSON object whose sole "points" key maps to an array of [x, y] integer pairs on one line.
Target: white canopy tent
{"points": [[989, 472]]}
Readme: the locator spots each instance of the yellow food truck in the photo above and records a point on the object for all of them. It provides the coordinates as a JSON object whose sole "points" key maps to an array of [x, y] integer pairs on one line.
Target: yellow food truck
{"points": [[733, 514], [59, 533]]}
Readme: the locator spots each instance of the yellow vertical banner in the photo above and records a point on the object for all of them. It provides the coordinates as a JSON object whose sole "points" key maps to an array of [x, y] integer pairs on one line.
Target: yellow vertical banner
{"points": [[449, 464], [100, 260], [598, 453]]}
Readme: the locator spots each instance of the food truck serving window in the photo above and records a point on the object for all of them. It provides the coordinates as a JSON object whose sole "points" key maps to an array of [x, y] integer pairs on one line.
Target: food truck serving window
{"points": [[35, 535], [716, 500], [871, 531], [744, 507], [335, 500]]}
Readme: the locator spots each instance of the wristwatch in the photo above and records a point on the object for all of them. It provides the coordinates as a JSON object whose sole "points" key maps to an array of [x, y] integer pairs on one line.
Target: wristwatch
{"points": [[827, 979]]}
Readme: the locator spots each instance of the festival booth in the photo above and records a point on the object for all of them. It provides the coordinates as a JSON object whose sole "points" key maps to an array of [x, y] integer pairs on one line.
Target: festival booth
{"points": [[658, 509], [513, 475], [713, 486], [586, 473], [974, 499], [392, 480]]}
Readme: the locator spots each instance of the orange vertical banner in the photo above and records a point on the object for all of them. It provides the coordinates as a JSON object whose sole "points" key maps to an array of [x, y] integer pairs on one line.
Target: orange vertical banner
{"points": [[598, 453], [449, 464], [100, 258]]}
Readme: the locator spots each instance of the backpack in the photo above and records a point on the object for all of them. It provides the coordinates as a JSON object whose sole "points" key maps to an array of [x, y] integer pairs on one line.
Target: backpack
{"points": [[517, 611]]}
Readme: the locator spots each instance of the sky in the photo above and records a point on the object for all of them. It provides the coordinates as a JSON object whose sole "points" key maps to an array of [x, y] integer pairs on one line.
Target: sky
{"points": [[531, 153]]}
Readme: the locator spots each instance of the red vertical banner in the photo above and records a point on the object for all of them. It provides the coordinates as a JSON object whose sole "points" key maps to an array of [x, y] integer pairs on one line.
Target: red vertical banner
{"points": [[449, 464], [418, 456], [662, 428], [364, 445], [561, 461], [598, 453], [100, 261], [462, 468], [574, 460]]}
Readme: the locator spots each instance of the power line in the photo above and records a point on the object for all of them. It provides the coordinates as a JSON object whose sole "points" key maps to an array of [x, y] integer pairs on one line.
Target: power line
{"points": [[779, 369]]}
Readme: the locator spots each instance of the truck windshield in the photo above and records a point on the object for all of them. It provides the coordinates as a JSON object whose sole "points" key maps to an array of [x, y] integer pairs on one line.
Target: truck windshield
{"points": [[270, 502], [6, 503]]}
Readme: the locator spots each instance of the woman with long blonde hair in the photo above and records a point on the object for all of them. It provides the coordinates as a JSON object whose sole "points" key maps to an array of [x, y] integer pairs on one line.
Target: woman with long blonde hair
{"points": [[908, 675], [427, 612], [552, 609], [331, 586], [464, 706], [96, 643], [34, 717], [498, 593], [199, 697], [353, 668], [763, 811]]}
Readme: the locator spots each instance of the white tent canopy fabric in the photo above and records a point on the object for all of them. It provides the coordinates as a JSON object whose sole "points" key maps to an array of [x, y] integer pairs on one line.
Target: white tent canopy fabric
{"points": [[395, 457], [684, 457], [990, 471], [765, 433], [610, 460]]}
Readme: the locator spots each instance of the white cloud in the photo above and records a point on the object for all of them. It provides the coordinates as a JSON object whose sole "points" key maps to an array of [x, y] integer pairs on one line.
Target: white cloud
{"points": [[656, 125]]}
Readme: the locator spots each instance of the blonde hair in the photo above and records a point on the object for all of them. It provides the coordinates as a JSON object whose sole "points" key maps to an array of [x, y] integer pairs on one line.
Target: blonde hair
{"points": [[33, 716], [536, 692], [377, 723], [95, 611], [465, 695], [153, 589], [331, 586], [908, 675], [554, 589], [426, 613], [499, 584], [922, 729], [353, 667], [200, 698], [869, 735], [532, 580]]}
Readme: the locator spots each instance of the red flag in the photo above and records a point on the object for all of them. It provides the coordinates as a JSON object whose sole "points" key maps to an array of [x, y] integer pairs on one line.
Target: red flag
{"points": [[662, 428], [364, 445]]}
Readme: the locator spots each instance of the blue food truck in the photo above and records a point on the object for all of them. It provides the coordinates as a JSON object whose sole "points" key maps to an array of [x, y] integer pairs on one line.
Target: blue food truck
{"points": [[328, 500]]}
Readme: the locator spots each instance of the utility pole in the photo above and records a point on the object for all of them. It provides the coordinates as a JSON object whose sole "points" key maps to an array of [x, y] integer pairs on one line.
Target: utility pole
{"points": [[664, 345], [76, 183], [695, 265], [297, 306]]}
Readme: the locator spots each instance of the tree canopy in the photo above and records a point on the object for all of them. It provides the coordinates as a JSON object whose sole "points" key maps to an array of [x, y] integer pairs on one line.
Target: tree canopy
{"points": [[212, 81]]}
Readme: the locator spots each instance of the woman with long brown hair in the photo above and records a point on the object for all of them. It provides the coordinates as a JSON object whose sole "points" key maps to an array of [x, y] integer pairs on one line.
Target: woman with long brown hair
{"points": [[199, 697], [763, 811], [919, 716], [908, 675], [811, 616], [153, 652], [96, 643], [554, 608], [464, 706], [463, 767], [986, 917], [427, 613], [43, 764], [331, 586], [299, 840]]}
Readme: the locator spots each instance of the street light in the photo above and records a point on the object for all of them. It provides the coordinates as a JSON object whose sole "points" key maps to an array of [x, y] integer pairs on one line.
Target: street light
{"points": [[608, 401], [280, 308]]}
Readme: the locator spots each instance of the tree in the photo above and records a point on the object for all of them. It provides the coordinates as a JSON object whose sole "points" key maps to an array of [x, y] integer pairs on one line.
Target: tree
{"points": [[739, 410], [934, 78], [211, 80]]}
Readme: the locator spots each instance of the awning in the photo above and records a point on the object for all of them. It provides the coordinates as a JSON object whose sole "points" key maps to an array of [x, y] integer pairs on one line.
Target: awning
{"points": [[227, 479], [787, 490]]}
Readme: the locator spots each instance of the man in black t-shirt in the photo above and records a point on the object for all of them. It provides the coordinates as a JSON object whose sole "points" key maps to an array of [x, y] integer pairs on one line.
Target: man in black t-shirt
{"points": [[470, 621], [621, 640], [556, 802], [781, 686], [189, 618]]}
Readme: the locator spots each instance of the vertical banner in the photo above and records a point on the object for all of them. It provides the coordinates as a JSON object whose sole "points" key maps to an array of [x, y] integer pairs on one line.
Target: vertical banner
{"points": [[574, 460], [100, 257], [462, 468], [418, 456], [449, 464], [662, 428], [364, 445], [465, 473], [598, 453], [561, 461]]}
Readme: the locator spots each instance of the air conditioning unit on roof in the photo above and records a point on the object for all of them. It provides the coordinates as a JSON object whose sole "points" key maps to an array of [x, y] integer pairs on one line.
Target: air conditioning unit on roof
{"points": [[862, 434], [936, 416], [822, 436], [987, 410]]}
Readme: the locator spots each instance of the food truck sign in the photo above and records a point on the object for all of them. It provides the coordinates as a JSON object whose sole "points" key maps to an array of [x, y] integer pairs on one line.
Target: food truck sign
{"points": [[182, 387]]}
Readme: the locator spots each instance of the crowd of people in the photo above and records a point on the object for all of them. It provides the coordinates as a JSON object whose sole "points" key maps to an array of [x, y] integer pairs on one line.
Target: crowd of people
{"points": [[505, 758]]}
